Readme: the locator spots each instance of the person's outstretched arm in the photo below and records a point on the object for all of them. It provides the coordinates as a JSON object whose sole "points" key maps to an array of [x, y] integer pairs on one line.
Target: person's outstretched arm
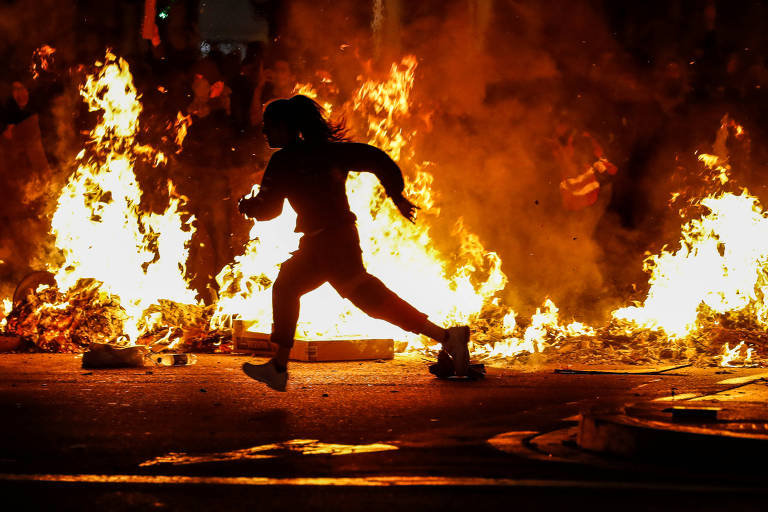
{"points": [[268, 203], [364, 157]]}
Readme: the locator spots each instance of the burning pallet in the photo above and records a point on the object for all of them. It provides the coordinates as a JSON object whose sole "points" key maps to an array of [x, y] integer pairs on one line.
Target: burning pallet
{"points": [[312, 350]]}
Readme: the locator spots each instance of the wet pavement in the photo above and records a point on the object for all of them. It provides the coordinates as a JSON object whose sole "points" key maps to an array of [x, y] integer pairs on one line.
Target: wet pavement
{"points": [[349, 435]]}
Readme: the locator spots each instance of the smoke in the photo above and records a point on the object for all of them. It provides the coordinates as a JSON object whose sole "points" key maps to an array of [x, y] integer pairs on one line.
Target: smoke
{"points": [[30, 185], [495, 83], [26, 25]]}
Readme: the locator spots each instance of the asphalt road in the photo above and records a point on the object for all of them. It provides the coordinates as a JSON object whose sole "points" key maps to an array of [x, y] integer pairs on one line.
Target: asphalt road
{"points": [[346, 436]]}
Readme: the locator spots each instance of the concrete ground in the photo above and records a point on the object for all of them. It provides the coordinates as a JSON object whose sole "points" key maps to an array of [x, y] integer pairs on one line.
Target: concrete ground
{"points": [[346, 436]]}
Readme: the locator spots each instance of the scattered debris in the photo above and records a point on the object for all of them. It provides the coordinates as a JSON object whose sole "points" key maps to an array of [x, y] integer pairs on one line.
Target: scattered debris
{"points": [[609, 345], [57, 322], [51, 321], [30, 283], [104, 355], [173, 359], [48, 320]]}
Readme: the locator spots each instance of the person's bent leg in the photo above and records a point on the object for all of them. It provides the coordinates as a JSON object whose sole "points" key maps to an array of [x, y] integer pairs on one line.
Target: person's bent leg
{"points": [[373, 297]]}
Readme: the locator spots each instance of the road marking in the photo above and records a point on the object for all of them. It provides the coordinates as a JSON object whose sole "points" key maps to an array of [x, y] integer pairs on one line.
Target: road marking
{"points": [[371, 481], [513, 442], [681, 396], [744, 380], [736, 382], [270, 451]]}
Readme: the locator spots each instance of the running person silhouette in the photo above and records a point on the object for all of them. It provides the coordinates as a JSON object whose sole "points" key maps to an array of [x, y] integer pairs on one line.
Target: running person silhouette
{"points": [[310, 170]]}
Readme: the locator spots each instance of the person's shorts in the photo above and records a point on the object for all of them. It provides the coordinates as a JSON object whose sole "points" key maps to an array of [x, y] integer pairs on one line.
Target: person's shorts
{"points": [[333, 252]]}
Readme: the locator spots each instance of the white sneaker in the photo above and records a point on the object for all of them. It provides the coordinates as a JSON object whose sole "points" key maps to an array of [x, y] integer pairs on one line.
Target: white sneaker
{"points": [[268, 374], [456, 344]]}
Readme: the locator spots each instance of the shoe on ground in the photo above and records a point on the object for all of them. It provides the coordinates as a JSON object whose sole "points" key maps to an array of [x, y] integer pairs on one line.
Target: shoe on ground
{"points": [[456, 344], [268, 374]]}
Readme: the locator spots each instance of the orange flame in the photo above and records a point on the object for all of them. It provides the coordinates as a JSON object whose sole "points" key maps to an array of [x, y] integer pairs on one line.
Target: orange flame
{"points": [[42, 58], [99, 225], [721, 267]]}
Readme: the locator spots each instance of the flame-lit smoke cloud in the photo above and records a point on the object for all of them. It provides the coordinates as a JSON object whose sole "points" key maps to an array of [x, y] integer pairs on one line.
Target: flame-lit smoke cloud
{"points": [[29, 199], [495, 80]]}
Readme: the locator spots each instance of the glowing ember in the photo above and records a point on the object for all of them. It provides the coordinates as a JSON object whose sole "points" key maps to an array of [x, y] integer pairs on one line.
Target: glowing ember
{"points": [[181, 126], [42, 58]]}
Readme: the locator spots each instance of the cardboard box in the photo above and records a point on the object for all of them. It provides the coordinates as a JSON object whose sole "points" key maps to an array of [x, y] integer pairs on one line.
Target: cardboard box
{"points": [[9, 342], [252, 342], [313, 350]]}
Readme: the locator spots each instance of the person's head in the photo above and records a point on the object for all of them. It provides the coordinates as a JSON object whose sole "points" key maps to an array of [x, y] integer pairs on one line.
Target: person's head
{"points": [[20, 94], [298, 118]]}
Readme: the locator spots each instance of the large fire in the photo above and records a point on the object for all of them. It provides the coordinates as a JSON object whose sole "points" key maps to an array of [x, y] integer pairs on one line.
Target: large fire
{"points": [[99, 224], [720, 271], [129, 263], [134, 257]]}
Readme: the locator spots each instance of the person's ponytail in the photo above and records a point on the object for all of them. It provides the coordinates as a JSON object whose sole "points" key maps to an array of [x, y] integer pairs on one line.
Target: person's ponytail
{"points": [[310, 119]]}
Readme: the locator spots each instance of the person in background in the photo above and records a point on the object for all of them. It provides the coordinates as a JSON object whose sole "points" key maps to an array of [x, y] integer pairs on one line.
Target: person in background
{"points": [[310, 171], [205, 163], [276, 82], [25, 180], [584, 169], [21, 136]]}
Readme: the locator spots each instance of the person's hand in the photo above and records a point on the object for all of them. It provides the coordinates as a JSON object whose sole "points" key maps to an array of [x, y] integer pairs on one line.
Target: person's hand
{"points": [[407, 208]]}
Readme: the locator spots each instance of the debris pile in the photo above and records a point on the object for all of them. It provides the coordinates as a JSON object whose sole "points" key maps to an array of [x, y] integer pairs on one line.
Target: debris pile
{"points": [[51, 321], [68, 322], [184, 328], [705, 348]]}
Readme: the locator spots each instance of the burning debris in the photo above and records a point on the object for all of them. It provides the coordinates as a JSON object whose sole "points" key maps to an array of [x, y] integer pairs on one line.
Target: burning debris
{"points": [[70, 321], [122, 279], [42, 60], [86, 315]]}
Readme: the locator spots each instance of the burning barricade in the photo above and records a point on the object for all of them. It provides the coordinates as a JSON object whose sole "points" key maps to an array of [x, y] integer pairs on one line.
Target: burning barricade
{"points": [[122, 282]]}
